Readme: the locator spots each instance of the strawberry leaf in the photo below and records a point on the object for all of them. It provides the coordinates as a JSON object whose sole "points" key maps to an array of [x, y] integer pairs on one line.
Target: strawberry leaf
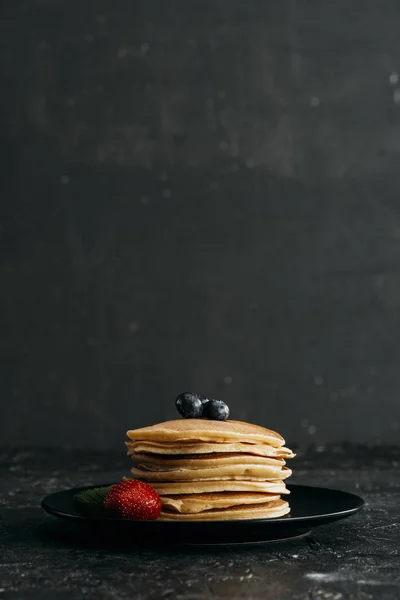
{"points": [[91, 502]]}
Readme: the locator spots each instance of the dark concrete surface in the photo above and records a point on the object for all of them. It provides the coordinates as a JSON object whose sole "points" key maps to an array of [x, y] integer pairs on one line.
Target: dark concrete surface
{"points": [[199, 195], [42, 558]]}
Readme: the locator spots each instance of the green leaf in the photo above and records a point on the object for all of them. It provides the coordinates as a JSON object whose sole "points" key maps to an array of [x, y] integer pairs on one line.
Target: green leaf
{"points": [[91, 502]]}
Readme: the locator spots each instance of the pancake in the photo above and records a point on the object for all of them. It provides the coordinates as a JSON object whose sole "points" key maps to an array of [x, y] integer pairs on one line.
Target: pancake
{"points": [[205, 430], [212, 470], [195, 503], [236, 472], [202, 487], [150, 462], [173, 448], [269, 510]]}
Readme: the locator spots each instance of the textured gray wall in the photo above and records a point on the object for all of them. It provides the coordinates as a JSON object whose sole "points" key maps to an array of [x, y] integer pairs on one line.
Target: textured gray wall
{"points": [[199, 195]]}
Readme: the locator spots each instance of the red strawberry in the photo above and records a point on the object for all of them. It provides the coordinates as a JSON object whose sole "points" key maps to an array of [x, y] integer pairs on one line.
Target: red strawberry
{"points": [[134, 500]]}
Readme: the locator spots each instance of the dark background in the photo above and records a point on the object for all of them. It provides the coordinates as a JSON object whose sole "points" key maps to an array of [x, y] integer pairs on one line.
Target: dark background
{"points": [[199, 195]]}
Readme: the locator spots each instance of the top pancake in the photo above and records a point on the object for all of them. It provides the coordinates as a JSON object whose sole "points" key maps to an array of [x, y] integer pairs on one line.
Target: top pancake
{"points": [[204, 430]]}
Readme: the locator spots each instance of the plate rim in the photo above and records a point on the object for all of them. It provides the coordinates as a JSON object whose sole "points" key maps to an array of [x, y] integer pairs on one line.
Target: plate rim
{"points": [[318, 519]]}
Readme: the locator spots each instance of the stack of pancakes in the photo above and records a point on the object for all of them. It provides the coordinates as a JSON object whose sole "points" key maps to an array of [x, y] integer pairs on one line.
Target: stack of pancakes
{"points": [[212, 470]]}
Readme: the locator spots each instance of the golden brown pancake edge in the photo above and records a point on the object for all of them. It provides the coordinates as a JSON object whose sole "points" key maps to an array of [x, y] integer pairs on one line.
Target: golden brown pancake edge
{"points": [[270, 510], [204, 430]]}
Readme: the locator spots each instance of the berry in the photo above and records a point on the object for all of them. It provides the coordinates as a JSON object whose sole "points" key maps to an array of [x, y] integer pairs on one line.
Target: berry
{"points": [[189, 405], [205, 402], [134, 500], [216, 410]]}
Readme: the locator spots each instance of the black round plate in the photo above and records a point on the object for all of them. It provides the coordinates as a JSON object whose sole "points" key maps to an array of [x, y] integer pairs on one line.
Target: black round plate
{"points": [[309, 507]]}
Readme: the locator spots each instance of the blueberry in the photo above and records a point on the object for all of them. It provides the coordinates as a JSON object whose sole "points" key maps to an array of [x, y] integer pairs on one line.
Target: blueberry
{"points": [[216, 410], [204, 401], [189, 405]]}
